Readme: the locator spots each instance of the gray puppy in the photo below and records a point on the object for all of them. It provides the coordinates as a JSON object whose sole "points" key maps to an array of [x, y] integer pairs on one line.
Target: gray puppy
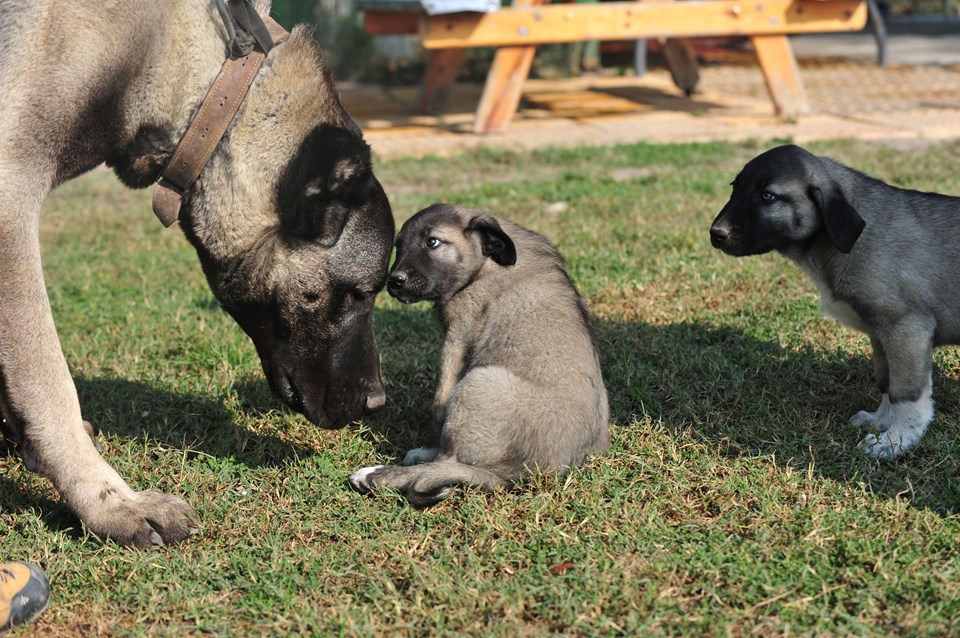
{"points": [[885, 260], [520, 387]]}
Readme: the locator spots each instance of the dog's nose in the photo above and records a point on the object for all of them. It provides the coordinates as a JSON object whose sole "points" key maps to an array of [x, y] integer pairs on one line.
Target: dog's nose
{"points": [[719, 235], [397, 280], [375, 400]]}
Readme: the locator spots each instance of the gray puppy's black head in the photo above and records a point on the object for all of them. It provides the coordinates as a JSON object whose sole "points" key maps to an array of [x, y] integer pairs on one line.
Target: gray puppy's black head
{"points": [[440, 250], [784, 198]]}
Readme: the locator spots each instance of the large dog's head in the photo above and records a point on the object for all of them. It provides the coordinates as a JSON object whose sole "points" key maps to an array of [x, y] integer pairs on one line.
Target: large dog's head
{"points": [[440, 250], [785, 198], [294, 234]]}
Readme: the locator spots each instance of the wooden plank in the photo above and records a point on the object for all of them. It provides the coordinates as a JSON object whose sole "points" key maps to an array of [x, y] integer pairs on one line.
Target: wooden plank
{"points": [[444, 65], [385, 22], [519, 25], [781, 75]]}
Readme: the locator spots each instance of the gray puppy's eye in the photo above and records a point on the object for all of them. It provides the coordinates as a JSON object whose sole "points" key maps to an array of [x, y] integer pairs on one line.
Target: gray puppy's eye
{"points": [[433, 242], [767, 196]]}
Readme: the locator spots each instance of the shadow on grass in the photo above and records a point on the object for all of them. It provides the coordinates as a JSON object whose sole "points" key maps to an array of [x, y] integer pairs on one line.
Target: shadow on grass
{"points": [[53, 514], [753, 397], [409, 340], [743, 395], [134, 410]]}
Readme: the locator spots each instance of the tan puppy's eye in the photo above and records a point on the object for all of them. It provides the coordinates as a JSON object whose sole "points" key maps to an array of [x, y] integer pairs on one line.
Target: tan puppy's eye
{"points": [[433, 242], [767, 196]]}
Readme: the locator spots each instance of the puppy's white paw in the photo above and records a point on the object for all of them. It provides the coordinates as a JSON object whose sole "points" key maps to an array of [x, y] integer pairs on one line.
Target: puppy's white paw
{"points": [[359, 480], [865, 420], [890, 444], [873, 421], [420, 455], [903, 425]]}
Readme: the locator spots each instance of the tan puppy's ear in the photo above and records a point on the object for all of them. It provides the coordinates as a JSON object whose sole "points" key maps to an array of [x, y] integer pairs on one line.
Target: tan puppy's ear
{"points": [[494, 243]]}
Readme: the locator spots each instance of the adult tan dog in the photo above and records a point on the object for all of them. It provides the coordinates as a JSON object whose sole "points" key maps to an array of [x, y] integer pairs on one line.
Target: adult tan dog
{"points": [[292, 229], [884, 259], [520, 382]]}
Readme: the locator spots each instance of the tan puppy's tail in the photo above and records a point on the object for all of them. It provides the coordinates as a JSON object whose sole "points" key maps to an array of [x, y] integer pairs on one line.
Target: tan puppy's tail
{"points": [[426, 484]]}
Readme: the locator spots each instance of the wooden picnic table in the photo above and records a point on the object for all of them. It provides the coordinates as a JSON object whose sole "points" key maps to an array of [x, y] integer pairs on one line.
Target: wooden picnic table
{"points": [[516, 31]]}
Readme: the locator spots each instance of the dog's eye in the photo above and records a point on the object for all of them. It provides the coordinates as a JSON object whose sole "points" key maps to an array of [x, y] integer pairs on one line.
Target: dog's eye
{"points": [[360, 295], [767, 196], [433, 242]]}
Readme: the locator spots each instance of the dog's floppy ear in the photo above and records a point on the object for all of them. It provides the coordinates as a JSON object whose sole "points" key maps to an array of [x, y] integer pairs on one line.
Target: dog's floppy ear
{"points": [[842, 221], [494, 243], [331, 173]]}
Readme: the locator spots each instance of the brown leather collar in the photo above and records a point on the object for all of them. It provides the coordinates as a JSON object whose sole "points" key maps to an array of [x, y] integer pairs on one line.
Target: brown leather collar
{"points": [[207, 128]]}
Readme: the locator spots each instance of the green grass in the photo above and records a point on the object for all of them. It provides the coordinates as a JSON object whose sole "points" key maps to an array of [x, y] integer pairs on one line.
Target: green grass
{"points": [[732, 501]]}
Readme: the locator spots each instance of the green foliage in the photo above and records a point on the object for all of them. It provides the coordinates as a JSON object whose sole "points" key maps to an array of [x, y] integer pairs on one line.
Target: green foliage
{"points": [[732, 502]]}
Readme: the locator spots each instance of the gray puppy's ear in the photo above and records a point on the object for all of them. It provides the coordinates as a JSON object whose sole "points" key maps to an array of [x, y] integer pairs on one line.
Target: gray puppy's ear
{"points": [[494, 243], [842, 221]]}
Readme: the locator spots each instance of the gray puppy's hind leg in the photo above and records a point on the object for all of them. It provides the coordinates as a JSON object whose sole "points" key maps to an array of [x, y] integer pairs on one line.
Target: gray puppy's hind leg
{"points": [[425, 484], [909, 349]]}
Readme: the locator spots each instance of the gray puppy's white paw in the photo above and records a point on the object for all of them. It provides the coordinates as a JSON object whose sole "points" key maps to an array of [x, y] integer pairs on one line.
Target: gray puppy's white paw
{"points": [[869, 421], [873, 421], [882, 446], [891, 443], [864, 419], [359, 480], [898, 428]]}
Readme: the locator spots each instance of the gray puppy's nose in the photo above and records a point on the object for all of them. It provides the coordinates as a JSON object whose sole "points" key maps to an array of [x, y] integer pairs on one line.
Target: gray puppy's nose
{"points": [[719, 235]]}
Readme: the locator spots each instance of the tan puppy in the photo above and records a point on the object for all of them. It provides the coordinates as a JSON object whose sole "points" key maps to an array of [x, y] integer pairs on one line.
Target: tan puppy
{"points": [[520, 388]]}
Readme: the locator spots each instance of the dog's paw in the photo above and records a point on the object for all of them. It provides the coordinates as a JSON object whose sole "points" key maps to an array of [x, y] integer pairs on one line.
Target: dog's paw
{"points": [[360, 480], [869, 421], [891, 443], [878, 421], [420, 455], [881, 446], [898, 428], [149, 519]]}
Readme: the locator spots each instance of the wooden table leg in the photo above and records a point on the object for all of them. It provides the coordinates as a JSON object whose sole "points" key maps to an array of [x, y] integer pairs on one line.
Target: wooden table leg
{"points": [[681, 61], [501, 93], [781, 74], [444, 65], [504, 85]]}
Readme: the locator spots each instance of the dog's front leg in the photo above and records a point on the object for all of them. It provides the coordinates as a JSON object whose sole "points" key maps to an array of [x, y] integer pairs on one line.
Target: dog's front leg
{"points": [[908, 347], [876, 421], [46, 412]]}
